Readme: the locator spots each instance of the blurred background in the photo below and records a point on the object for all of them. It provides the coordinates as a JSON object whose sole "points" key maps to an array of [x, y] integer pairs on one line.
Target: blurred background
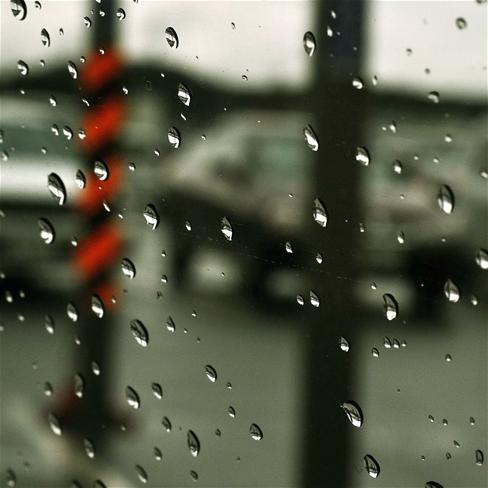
{"points": [[243, 244]]}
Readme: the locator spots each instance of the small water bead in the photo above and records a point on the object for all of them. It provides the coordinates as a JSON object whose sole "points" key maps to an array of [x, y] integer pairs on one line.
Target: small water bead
{"points": [[101, 170], [396, 344], [362, 156], [300, 300], [397, 167], [456, 444], [231, 411], [211, 373], [288, 247], [445, 199], [171, 37], [132, 397], [357, 83], [87, 21], [49, 324], [151, 216], [461, 23], [132, 166], [72, 70], [309, 43], [353, 412], [184, 94], [48, 389], [72, 312], [319, 258], [484, 174], [158, 455], [19, 9], [482, 258], [46, 231], [120, 14], [141, 474], [95, 368], [128, 268], [374, 352], [344, 344], [174, 137], [166, 423], [479, 457], [448, 358], [226, 228], [188, 226], [97, 306], [80, 179], [314, 299], [400, 237], [193, 443], [139, 332], [79, 385], [319, 213], [387, 342], [54, 424], [473, 300], [45, 38], [157, 390], [255, 432], [390, 306], [194, 475], [311, 138], [329, 31], [371, 465], [170, 324], [448, 138], [56, 187], [448, 455], [434, 97], [472, 421], [68, 132], [23, 67], [89, 448], [451, 291]]}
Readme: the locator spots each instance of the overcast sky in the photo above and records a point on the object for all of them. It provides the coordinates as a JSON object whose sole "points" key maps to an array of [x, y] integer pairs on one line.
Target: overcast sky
{"points": [[266, 43]]}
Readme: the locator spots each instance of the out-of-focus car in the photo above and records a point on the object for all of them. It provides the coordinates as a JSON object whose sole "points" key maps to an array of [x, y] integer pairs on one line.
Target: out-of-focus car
{"points": [[37, 139], [244, 186]]}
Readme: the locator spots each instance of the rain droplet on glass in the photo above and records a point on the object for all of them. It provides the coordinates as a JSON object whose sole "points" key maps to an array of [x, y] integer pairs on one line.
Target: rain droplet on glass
{"points": [[445, 199], [451, 291], [56, 186], [211, 373], [139, 332], [128, 268], [390, 306], [309, 43], [132, 397], [319, 212], [193, 443], [171, 37], [46, 231], [255, 432], [353, 412], [311, 138], [184, 94], [151, 216], [371, 465], [362, 156], [174, 137]]}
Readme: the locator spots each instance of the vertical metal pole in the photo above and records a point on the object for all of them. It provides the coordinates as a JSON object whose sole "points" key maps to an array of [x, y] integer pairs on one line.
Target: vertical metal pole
{"points": [[339, 117]]}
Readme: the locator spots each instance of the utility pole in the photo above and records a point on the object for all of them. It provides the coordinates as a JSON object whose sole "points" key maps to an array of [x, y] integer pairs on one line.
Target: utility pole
{"points": [[339, 115]]}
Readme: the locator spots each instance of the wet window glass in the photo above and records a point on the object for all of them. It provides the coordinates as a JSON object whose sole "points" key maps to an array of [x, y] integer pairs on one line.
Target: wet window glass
{"points": [[243, 244]]}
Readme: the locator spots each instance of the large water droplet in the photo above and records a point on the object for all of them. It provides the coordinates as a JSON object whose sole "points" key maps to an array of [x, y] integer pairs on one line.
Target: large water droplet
{"points": [[101, 170], [80, 179], [157, 390], [56, 186], [139, 332], [54, 423], [72, 312], [311, 138], [128, 268], [151, 215], [353, 412], [174, 137], [166, 424], [362, 156], [309, 43], [132, 397], [193, 443], [226, 228], [390, 306], [482, 258], [72, 70], [211, 373], [479, 457], [256, 432], [171, 37], [45, 38], [451, 291], [79, 385], [120, 13], [23, 67], [141, 473], [97, 306], [445, 199], [319, 212], [19, 9], [46, 231], [344, 344], [371, 465], [184, 94]]}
